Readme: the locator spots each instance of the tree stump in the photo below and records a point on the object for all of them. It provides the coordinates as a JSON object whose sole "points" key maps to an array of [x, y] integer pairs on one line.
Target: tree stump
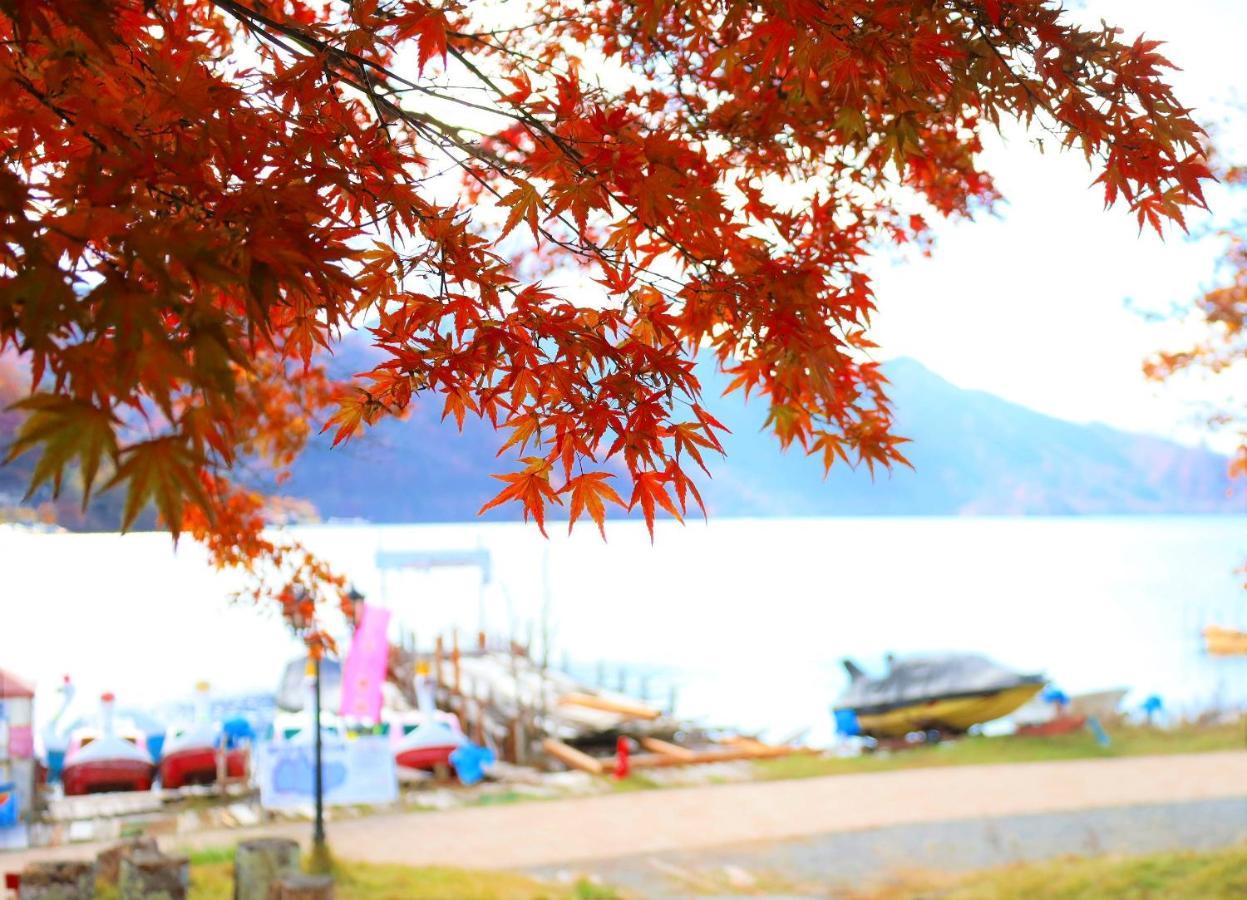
{"points": [[58, 881], [258, 863], [302, 887], [154, 876], [108, 862]]}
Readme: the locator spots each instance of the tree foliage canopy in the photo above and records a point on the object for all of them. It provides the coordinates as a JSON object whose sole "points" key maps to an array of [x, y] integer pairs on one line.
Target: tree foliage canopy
{"points": [[1220, 318], [540, 210]]}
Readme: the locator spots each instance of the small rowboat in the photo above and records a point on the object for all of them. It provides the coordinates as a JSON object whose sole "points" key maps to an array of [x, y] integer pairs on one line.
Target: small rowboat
{"points": [[107, 758]]}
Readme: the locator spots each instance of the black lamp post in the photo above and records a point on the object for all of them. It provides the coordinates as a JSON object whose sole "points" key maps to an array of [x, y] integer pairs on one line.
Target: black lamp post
{"points": [[318, 829], [318, 780]]}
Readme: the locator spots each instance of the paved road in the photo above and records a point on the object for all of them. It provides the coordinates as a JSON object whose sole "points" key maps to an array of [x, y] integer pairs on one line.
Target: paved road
{"points": [[565, 832]]}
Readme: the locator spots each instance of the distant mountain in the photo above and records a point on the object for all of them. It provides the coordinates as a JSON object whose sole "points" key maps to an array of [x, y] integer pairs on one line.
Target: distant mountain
{"points": [[104, 513], [973, 454]]}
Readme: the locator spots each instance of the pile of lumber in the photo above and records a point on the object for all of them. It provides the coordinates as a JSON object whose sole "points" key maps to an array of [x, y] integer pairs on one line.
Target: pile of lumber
{"points": [[510, 702], [663, 753], [525, 710]]}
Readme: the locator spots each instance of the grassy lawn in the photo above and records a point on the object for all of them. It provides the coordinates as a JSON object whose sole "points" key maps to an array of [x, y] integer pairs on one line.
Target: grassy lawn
{"points": [[1217, 875], [1126, 741], [1173, 876], [212, 879]]}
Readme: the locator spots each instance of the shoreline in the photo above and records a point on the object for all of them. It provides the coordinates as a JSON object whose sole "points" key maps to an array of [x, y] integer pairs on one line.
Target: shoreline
{"points": [[587, 830]]}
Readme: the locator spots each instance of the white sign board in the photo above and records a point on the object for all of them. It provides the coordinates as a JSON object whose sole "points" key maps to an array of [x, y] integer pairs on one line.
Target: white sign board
{"points": [[355, 771]]}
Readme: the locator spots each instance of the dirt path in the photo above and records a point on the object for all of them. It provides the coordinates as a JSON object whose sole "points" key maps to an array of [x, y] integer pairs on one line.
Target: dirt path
{"points": [[536, 834]]}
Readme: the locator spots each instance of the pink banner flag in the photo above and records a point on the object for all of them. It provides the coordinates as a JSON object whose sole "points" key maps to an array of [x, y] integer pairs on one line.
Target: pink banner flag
{"points": [[363, 674], [21, 742]]}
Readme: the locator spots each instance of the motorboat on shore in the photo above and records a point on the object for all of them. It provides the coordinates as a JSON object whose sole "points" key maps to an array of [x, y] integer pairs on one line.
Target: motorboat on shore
{"points": [[110, 756], [1055, 712], [947, 694], [198, 751]]}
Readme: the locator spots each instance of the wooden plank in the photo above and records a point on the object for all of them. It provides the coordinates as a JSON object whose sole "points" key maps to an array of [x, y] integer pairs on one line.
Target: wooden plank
{"points": [[655, 745], [622, 707], [695, 757], [572, 757], [663, 760]]}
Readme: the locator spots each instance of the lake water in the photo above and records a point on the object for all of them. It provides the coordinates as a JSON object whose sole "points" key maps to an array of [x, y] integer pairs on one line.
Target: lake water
{"points": [[749, 618]]}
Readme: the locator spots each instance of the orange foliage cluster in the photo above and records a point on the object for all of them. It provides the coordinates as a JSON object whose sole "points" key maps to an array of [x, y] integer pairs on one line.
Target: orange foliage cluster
{"points": [[1222, 312], [197, 196]]}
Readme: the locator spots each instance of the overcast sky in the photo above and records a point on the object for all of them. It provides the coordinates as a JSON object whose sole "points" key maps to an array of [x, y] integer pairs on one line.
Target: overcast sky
{"points": [[1032, 305]]}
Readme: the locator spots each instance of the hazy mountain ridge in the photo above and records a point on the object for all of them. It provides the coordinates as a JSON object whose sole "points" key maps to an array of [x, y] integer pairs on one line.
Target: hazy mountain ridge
{"points": [[973, 454]]}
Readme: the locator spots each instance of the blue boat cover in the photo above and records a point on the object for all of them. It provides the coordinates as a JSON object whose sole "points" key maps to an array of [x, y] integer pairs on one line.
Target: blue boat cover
{"points": [[846, 723]]}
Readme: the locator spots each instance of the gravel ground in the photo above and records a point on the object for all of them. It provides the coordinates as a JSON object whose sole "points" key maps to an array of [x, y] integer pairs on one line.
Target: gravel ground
{"points": [[821, 865]]}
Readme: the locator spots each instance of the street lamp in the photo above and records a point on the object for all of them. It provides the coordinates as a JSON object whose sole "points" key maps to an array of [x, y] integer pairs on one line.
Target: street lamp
{"points": [[301, 624], [357, 600]]}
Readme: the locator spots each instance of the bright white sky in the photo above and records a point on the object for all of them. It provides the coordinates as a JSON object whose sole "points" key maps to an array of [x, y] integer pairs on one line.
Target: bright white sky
{"points": [[1032, 305]]}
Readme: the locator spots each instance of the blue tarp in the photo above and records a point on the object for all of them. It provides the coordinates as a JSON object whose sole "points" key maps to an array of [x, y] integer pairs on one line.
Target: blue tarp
{"points": [[471, 761], [8, 804]]}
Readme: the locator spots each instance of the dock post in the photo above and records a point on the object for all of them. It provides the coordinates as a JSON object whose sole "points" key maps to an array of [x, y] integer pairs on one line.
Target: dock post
{"points": [[260, 862], [454, 656], [154, 875], [437, 661], [108, 862], [57, 879], [303, 887]]}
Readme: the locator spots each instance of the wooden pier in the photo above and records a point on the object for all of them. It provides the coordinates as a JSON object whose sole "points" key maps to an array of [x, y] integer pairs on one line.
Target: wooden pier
{"points": [[532, 714]]}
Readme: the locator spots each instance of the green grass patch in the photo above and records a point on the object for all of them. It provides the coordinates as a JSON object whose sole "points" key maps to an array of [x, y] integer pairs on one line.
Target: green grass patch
{"points": [[211, 855], [212, 878], [1126, 741], [1217, 875]]}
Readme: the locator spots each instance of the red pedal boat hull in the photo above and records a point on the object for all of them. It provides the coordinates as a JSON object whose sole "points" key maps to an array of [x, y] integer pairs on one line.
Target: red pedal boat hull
{"points": [[198, 765], [106, 775], [425, 757]]}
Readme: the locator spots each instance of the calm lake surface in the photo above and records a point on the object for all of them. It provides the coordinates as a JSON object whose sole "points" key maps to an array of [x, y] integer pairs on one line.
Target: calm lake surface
{"points": [[749, 618]]}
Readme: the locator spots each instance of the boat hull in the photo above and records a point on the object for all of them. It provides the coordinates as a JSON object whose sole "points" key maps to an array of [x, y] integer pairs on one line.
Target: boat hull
{"points": [[949, 714], [425, 757], [198, 765], [107, 775], [1059, 725]]}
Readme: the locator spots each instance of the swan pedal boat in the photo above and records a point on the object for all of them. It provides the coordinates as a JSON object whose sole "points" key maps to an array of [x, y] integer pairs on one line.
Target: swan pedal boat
{"points": [[98, 761]]}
